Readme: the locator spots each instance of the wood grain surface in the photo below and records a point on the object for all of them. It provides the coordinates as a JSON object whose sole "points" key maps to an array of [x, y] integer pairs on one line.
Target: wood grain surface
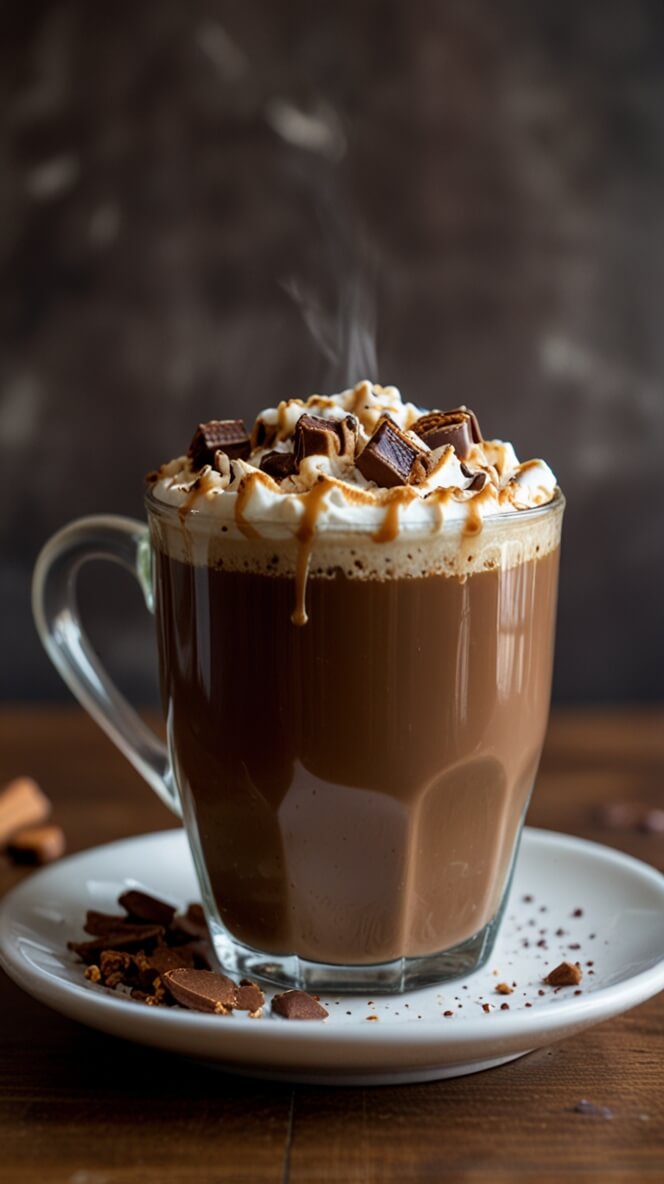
{"points": [[81, 1108]]}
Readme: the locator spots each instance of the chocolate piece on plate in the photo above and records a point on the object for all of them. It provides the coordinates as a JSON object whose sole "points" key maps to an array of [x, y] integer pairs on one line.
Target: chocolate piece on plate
{"points": [[438, 428], [226, 435], [298, 1005], [143, 907], [249, 996], [125, 937], [98, 924], [188, 926], [202, 990], [391, 458], [278, 464]]}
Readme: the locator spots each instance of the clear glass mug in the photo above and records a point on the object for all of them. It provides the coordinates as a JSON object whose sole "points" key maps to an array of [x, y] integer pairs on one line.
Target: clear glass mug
{"points": [[353, 789]]}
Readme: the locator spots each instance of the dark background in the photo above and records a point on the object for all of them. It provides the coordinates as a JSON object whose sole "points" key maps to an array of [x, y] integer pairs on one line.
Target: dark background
{"points": [[484, 179]]}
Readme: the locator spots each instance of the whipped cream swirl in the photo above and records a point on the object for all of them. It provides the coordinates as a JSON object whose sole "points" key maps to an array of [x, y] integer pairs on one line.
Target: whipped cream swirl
{"points": [[329, 492]]}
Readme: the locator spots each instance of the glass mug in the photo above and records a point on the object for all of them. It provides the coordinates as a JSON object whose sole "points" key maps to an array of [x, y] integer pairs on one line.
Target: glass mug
{"points": [[353, 789]]}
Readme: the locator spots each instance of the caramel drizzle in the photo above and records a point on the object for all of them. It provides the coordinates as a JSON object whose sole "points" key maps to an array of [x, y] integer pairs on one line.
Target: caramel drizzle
{"points": [[243, 495], [389, 527], [474, 521], [305, 535], [201, 486]]}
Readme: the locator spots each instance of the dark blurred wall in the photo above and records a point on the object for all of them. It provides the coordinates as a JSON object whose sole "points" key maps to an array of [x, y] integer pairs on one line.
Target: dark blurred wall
{"points": [[492, 169]]}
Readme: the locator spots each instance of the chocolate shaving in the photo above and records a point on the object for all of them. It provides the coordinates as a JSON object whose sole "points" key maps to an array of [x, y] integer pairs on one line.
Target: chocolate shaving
{"points": [[226, 435], [202, 990], [438, 428], [391, 458], [143, 907], [298, 1005], [278, 464]]}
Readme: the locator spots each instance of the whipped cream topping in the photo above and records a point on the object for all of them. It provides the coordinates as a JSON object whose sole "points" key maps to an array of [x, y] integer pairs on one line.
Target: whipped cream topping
{"points": [[330, 493]]}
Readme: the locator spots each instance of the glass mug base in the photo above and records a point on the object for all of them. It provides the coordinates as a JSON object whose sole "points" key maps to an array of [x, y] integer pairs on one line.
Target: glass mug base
{"points": [[387, 978]]}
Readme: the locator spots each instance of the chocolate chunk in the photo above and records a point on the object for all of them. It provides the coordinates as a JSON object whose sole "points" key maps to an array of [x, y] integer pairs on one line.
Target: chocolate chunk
{"points": [[479, 477], [278, 464], [202, 990], [249, 996], [161, 960], [263, 434], [391, 458], [438, 428], [475, 429], [327, 437], [566, 974], [298, 1005], [100, 923], [127, 937], [191, 924], [226, 435], [37, 844], [143, 907]]}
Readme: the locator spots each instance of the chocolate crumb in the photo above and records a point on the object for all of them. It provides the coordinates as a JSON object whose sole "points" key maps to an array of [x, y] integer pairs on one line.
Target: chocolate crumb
{"points": [[574, 945], [504, 1007], [486, 1007], [373, 1018], [528, 1005], [448, 1013], [577, 913], [566, 974]]}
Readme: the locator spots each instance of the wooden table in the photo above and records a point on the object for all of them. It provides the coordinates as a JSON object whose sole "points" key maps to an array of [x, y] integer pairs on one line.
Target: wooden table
{"points": [[82, 1108]]}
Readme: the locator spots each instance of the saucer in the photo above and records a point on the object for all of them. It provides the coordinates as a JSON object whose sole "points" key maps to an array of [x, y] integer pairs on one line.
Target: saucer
{"points": [[571, 900]]}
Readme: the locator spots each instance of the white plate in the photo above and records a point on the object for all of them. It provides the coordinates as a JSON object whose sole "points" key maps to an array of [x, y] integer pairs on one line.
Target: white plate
{"points": [[618, 939]]}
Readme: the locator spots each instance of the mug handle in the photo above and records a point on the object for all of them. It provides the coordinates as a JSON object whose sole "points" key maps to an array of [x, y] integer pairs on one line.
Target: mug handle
{"points": [[54, 604]]}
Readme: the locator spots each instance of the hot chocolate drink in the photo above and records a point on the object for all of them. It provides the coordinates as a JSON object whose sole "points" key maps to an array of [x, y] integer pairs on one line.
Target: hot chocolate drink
{"points": [[355, 611]]}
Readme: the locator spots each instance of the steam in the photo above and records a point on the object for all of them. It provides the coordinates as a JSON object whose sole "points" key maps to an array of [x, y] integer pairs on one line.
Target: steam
{"points": [[344, 329], [339, 306]]}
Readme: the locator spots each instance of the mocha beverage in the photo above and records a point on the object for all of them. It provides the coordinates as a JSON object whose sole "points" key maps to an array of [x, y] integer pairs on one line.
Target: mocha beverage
{"points": [[355, 610]]}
